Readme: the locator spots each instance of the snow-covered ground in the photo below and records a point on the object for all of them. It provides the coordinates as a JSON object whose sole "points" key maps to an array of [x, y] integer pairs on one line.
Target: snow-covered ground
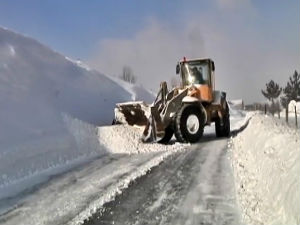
{"points": [[74, 196], [41, 92], [127, 139], [111, 161], [51, 107], [266, 162], [291, 117], [60, 161]]}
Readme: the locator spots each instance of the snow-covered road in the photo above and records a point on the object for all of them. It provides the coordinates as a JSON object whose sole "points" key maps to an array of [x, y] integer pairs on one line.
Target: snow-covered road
{"points": [[155, 183], [73, 196], [194, 186], [194, 183]]}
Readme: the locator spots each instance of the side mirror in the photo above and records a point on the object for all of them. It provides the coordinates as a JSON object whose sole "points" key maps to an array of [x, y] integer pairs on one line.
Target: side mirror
{"points": [[212, 66], [177, 69]]}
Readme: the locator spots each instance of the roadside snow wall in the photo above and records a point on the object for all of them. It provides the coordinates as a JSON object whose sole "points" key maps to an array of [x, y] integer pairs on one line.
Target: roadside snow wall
{"points": [[266, 163], [24, 165], [38, 88]]}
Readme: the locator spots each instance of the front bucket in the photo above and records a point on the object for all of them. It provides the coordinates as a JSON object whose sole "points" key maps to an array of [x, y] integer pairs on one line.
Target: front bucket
{"points": [[141, 114], [132, 113]]}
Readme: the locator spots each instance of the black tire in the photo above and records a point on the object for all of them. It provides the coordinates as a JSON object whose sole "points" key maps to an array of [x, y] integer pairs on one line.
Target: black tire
{"points": [[223, 130], [182, 132], [218, 127], [169, 131], [227, 126]]}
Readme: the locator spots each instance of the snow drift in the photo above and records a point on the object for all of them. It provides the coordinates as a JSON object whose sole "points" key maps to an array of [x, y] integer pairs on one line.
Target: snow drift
{"points": [[266, 162], [40, 91]]}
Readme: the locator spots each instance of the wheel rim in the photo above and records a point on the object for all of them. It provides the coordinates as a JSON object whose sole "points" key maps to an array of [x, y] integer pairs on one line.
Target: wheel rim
{"points": [[192, 124]]}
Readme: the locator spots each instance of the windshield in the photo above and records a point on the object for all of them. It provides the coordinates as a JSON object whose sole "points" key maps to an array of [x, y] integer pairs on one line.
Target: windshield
{"points": [[195, 72]]}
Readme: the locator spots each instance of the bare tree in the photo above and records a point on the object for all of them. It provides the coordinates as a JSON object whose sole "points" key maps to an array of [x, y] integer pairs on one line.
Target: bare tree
{"points": [[128, 75]]}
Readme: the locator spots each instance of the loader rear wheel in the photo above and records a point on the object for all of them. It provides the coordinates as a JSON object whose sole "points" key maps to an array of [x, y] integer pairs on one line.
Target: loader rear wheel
{"points": [[169, 131], [189, 124]]}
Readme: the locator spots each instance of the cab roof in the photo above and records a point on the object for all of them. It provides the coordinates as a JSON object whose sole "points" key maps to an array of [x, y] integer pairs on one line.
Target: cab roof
{"points": [[195, 59]]}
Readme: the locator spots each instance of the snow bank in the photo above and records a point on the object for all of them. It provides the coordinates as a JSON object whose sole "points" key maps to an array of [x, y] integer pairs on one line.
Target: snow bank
{"points": [[38, 88], [127, 139], [26, 164], [137, 91], [266, 162]]}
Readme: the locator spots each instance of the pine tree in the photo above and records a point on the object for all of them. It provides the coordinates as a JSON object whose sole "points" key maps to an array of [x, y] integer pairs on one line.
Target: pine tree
{"points": [[271, 93], [292, 89]]}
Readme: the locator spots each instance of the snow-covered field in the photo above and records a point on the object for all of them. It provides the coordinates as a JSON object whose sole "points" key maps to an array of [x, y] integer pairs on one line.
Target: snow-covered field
{"points": [[266, 162]]}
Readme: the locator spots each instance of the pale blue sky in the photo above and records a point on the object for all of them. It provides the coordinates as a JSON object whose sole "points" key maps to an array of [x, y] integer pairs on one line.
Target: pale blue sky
{"points": [[75, 26]]}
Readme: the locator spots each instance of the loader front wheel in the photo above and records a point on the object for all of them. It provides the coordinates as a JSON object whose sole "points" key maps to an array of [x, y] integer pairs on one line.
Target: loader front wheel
{"points": [[189, 124], [169, 131]]}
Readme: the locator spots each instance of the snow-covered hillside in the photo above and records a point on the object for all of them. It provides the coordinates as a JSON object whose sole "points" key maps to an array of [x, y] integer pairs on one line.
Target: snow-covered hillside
{"points": [[266, 162], [40, 92]]}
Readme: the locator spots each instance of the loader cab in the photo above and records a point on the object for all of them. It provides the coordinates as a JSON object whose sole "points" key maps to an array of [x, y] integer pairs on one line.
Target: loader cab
{"points": [[199, 73]]}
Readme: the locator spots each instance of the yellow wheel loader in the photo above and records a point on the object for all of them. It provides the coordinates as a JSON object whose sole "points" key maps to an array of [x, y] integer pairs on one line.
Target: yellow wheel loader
{"points": [[183, 111]]}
